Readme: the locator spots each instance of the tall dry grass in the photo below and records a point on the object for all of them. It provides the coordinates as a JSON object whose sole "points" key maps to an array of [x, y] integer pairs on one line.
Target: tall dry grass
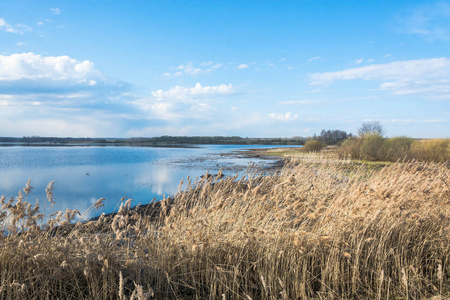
{"points": [[319, 229], [431, 150]]}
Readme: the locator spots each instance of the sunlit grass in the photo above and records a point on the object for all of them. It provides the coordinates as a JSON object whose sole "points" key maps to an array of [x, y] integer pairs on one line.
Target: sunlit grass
{"points": [[322, 228]]}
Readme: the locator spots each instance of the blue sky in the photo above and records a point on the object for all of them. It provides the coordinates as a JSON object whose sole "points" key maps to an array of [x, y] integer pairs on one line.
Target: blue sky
{"points": [[249, 68]]}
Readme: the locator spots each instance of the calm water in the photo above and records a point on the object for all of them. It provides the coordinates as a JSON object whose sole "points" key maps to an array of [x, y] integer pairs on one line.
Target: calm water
{"points": [[84, 174]]}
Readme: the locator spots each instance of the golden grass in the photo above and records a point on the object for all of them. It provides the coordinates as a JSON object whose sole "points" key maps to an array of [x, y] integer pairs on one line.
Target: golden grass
{"points": [[431, 150], [319, 229]]}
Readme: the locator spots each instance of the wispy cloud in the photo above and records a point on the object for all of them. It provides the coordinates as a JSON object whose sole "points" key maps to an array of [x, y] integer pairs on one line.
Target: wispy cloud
{"points": [[359, 61], [300, 102], [180, 92], [18, 28], [362, 60], [426, 77], [314, 58], [192, 70], [242, 66], [42, 23], [55, 11], [183, 102], [289, 116], [430, 21]]}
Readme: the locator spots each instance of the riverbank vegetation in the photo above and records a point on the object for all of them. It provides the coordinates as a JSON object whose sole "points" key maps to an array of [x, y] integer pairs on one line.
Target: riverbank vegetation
{"points": [[321, 228], [374, 147]]}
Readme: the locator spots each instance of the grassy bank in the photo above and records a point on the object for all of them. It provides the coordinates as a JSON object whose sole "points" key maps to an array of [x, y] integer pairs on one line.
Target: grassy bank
{"points": [[322, 228]]}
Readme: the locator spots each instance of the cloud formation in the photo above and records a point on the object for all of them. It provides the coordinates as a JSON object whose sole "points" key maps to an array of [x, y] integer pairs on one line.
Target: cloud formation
{"points": [[431, 22], [426, 77], [55, 11], [289, 116], [242, 66], [183, 102], [18, 28], [180, 92], [192, 70], [29, 72]]}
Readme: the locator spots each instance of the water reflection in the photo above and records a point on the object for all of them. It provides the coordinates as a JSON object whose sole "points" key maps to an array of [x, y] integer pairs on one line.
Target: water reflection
{"points": [[84, 174]]}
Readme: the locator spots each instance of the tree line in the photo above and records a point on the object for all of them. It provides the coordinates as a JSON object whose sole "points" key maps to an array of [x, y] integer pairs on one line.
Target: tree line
{"points": [[328, 137]]}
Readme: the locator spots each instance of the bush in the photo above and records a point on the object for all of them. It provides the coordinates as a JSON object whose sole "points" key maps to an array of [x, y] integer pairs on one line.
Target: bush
{"points": [[313, 146], [373, 147], [350, 147], [437, 150], [397, 148]]}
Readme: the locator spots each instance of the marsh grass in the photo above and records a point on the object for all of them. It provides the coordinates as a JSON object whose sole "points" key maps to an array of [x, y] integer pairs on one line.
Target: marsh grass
{"points": [[321, 228]]}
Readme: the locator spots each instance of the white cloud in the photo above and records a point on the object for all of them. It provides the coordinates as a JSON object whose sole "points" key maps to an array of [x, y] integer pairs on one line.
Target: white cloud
{"points": [[183, 102], [19, 28], [296, 102], [427, 77], [180, 92], [29, 71], [314, 58], [358, 61], [431, 21], [242, 66], [192, 70], [34, 66], [208, 63], [55, 11], [189, 69], [362, 60], [283, 117]]}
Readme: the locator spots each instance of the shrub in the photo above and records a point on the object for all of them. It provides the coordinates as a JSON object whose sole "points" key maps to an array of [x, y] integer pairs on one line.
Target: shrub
{"points": [[437, 150], [397, 148], [372, 147], [350, 147], [313, 146]]}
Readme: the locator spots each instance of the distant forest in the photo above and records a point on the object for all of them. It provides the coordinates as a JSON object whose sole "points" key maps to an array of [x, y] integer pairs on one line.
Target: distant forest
{"points": [[329, 137]]}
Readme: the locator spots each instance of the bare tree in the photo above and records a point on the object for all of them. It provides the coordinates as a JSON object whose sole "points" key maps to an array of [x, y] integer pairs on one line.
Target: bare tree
{"points": [[371, 127]]}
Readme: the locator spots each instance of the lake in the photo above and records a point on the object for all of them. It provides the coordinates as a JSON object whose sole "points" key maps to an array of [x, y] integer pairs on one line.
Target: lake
{"points": [[84, 174]]}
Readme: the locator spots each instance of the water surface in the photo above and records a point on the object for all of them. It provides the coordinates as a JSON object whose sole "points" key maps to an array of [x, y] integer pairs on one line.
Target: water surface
{"points": [[84, 174]]}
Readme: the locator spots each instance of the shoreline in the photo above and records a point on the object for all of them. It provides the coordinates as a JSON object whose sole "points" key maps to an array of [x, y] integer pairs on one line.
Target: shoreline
{"points": [[153, 208]]}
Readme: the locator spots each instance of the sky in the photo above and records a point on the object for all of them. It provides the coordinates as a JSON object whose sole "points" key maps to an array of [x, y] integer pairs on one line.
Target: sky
{"points": [[147, 68]]}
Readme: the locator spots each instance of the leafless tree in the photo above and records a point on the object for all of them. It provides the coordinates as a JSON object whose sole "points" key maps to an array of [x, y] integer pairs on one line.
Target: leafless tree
{"points": [[371, 127]]}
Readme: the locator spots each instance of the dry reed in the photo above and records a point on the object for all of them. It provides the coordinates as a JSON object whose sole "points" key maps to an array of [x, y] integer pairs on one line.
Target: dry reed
{"points": [[320, 228]]}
